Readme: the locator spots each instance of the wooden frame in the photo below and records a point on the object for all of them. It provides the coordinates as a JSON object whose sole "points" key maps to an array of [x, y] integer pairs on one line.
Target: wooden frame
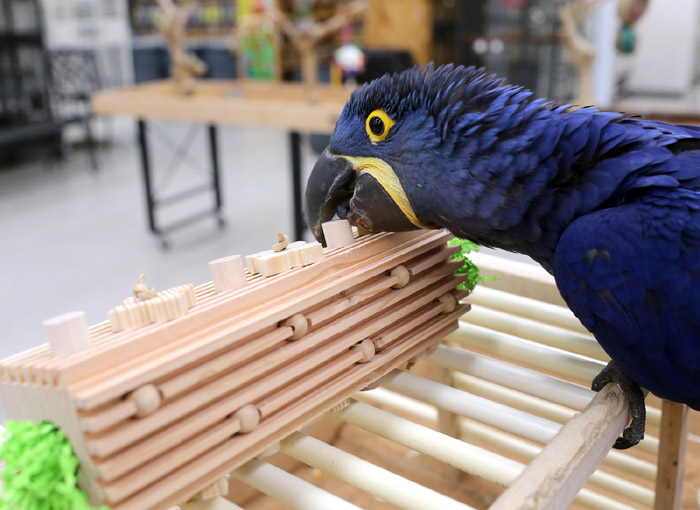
{"points": [[606, 416]]}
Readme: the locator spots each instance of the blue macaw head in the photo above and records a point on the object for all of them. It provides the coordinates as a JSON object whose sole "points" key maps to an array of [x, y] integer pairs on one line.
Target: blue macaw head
{"points": [[393, 137]]}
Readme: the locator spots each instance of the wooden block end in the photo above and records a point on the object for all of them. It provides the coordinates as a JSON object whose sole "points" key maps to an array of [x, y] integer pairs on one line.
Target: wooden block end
{"points": [[228, 273], [67, 333], [338, 233]]}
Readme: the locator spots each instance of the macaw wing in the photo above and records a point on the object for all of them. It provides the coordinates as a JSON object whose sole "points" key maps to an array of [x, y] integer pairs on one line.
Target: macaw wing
{"points": [[631, 273]]}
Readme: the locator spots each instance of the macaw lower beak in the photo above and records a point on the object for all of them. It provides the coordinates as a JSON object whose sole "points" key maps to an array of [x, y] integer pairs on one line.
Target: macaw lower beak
{"points": [[365, 191]]}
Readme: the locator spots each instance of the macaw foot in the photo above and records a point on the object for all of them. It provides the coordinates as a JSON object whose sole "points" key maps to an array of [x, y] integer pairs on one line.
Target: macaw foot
{"points": [[634, 433]]}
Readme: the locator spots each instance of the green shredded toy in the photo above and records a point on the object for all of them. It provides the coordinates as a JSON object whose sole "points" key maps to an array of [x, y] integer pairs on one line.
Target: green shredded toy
{"points": [[472, 271], [41, 470]]}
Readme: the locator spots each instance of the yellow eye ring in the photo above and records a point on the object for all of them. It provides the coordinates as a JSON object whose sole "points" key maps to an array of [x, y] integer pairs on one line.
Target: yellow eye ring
{"points": [[378, 125]]}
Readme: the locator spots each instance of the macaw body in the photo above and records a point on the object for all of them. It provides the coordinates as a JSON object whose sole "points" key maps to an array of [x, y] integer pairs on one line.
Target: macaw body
{"points": [[607, 203]]}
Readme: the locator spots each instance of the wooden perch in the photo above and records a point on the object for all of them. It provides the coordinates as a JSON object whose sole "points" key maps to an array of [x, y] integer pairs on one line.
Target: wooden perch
{"points": [[184, 66], [573, 455]]}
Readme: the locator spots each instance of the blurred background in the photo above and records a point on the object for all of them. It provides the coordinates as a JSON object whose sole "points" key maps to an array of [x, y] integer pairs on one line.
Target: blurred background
{"points": [[74, 227]]}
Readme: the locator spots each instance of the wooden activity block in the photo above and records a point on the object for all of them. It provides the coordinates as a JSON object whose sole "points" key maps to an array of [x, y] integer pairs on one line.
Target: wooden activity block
{"points": [[161, 414], [297, 254]]}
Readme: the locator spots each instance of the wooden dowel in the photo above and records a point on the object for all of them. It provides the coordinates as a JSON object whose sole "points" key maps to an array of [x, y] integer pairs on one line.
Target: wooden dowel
{"points": [[524, 351], [108, 417], [286, 487], [534, 354], [366, 476], [520, 278], [534, 309], [425, 263], [130, 458], [428, 413], [672, 451], [388, 336], [526, 380], [572, 341], [512, 398], [462, 403], [452, 451], [309, 382], [146, 474], [179, 384]]}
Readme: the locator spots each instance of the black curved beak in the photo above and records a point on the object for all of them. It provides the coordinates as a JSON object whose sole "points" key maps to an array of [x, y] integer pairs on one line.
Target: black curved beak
{"points": [[335, 187]]}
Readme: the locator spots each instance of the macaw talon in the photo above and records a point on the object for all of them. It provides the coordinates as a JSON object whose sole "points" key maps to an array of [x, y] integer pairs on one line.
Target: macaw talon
{"points": [[634, 433], [335, 187]]}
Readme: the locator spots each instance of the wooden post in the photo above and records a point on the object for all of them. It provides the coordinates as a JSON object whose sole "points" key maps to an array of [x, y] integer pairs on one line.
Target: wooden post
{"points": [[67, 333], [227, 273], [448, 422], [671, 463]]}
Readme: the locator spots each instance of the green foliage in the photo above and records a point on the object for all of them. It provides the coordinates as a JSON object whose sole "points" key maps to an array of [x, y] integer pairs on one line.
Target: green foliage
{"points": [[41, 470], [471, 270]]}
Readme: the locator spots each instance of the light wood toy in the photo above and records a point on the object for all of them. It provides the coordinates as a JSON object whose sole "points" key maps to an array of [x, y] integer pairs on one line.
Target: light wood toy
{"points": [[160, 414], [184, 65]]}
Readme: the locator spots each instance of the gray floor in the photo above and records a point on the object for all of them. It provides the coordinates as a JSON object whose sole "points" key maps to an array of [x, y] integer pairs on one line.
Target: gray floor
{"points": [[77, 240]]}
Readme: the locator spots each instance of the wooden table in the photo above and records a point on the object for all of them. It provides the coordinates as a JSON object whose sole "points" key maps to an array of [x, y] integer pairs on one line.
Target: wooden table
{"points": [[278, 105]]}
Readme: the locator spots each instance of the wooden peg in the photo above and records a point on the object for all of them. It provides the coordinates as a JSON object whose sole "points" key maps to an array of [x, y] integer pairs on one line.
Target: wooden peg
{"points": [[299, 324], [367, 349], [249, 417], [227, 273], [67, 333], [146, 399], [449, 303], [338, 233], [402, 274]]}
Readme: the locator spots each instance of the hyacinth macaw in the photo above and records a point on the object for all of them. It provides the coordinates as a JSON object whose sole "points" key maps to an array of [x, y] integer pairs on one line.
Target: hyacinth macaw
{"points": [[607, 203]]}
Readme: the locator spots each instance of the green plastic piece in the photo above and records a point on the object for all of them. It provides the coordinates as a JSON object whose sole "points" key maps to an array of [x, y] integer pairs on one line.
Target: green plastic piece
{"points": [[471, 269], [41, 470]]}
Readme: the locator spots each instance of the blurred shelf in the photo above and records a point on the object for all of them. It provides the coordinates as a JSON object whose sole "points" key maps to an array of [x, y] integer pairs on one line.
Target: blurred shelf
{"points": [[13, 38]]}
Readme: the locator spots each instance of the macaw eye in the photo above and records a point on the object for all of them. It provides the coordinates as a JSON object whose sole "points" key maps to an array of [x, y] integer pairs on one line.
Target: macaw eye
{"points": [[378, 125]]}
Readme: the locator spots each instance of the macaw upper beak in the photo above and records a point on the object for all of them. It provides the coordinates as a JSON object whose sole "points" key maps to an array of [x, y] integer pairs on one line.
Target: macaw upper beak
{"points": [[343, 185]]}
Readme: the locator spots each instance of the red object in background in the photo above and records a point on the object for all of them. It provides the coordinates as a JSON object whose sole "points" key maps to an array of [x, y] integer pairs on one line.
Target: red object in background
{"points": [[513, 4]]}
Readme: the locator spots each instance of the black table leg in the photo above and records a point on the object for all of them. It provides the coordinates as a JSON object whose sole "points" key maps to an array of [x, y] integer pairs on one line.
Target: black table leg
{"points": [[299, 223], [147, 178], [216, 182]]}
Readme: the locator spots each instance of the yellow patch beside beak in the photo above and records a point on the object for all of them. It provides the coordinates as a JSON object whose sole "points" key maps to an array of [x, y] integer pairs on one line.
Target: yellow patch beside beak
{"points": [[387, 178]]}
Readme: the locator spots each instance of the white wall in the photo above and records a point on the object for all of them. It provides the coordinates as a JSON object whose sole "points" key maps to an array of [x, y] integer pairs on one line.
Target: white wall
{"points": [[101, 25], [665, 57], [601, 29]]}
